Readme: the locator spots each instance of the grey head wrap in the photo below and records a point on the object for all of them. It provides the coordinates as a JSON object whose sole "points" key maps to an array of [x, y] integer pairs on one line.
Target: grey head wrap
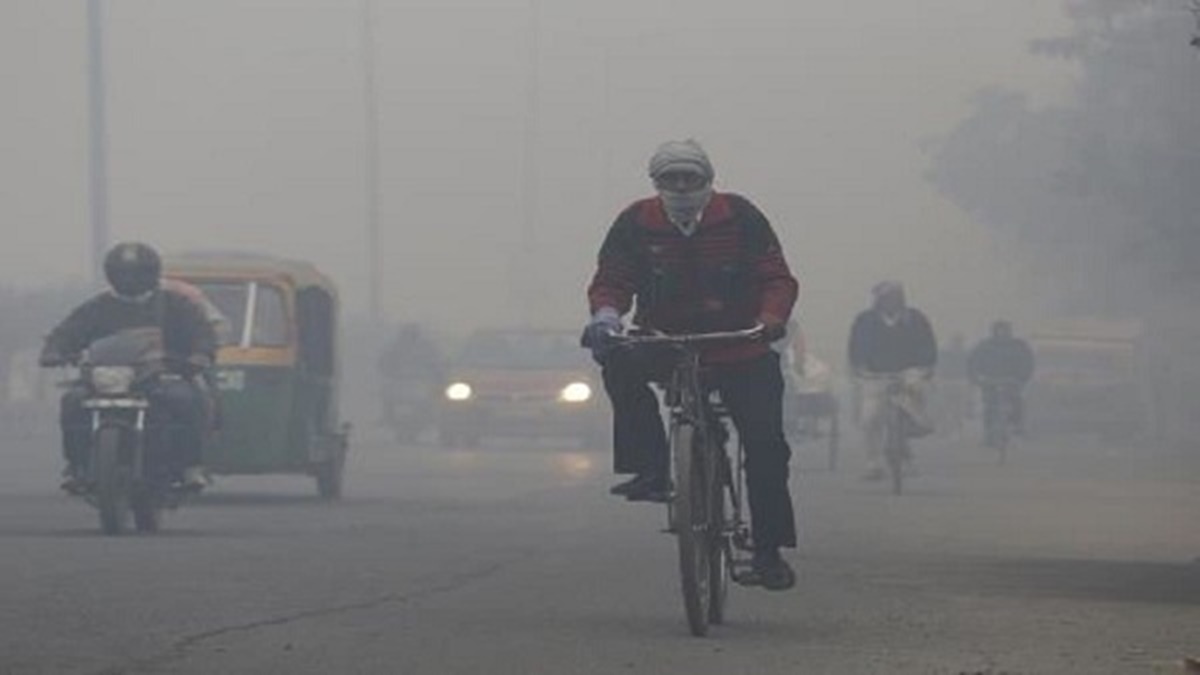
{"points": [[683, 208]]}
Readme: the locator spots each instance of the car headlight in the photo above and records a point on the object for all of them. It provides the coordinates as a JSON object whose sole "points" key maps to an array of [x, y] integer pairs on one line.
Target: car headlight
{"points": [[112, 379], [576, 392], [459, 391]]}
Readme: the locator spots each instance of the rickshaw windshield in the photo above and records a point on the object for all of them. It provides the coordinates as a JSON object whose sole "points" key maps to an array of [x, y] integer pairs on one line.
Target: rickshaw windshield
{"points": [[137, 346], [255, 313]]}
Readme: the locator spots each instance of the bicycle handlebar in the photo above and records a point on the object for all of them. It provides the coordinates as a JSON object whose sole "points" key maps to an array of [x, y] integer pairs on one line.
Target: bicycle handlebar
{"points": [[888, 377], [691, 339]]}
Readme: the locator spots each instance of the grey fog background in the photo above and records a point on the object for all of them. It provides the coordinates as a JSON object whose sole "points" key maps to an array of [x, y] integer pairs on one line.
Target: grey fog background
{"points": [[239, 124]]}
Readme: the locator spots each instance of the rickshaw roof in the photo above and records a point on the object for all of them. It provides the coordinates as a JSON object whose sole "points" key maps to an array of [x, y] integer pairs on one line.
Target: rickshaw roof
{"points": [[249, 266]]}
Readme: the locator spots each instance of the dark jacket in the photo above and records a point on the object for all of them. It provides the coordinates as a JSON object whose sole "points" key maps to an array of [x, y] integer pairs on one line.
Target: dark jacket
{"points": [[729, 275], [877, 347], [186, 331], [411, 356], [996, 358]]}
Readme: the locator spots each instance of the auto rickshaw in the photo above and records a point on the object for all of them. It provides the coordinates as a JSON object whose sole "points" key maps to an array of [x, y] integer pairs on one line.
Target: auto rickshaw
{"points": [[277, 366]]}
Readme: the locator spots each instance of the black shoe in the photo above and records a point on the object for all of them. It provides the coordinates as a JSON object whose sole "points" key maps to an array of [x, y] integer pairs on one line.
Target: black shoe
{"points": [[74, 480], [621, 489], [769, 570], [649, 488]]}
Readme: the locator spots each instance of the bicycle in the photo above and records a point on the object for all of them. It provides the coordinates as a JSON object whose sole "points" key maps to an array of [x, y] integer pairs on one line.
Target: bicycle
{"points": [[999, 401], [705, 511], [896, 452]]}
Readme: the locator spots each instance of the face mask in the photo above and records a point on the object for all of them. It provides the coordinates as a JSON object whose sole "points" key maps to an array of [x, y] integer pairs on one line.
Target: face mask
{"points": [[138, 299], [684, 208]]}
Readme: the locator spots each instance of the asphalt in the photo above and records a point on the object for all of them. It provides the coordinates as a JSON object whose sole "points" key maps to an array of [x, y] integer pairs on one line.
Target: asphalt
{"points": [[512, 558]]}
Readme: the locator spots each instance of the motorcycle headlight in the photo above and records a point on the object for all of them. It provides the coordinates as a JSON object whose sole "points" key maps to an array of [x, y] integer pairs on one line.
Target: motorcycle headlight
{"points": [[459, 391], [112, 379], [576, 392]]}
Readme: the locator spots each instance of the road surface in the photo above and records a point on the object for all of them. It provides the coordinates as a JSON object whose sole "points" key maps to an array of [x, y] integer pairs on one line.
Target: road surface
{"points": [[513, 559]]}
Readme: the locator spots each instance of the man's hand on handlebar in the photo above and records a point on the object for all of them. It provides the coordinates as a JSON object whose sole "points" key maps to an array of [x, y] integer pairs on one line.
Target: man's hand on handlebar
{"points": [[600, 332], [771, 329]]}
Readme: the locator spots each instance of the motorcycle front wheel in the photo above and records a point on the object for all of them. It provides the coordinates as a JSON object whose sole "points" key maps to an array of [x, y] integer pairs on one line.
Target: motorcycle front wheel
{"points": [[112, 481]]}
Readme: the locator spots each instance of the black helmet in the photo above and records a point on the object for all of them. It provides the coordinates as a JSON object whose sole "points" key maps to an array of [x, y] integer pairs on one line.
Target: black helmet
{"points": [[132, 269]]}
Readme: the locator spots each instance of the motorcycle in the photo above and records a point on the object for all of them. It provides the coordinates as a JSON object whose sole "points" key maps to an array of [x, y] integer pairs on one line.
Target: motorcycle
{"points": [[409, 407], [128, 472]]}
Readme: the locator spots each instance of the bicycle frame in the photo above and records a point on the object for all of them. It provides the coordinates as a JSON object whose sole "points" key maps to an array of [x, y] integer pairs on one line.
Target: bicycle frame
{"points": [[690, 402], [893, 441], [696, 512]]}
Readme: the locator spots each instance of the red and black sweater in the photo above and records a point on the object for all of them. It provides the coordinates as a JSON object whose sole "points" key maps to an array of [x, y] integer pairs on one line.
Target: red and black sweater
{"points": [[730, 274]]}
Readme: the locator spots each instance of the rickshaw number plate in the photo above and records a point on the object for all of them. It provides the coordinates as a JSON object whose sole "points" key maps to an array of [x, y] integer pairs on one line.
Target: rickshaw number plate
{"points": [[231, 380]]}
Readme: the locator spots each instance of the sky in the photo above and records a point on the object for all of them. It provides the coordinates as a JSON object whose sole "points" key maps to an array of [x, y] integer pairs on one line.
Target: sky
{"points": [[240, 124]]}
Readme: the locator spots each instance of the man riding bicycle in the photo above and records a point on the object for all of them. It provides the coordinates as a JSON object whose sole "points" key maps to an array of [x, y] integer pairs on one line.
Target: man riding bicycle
{"points": [[891, 339], [1002, 357], [696, 260]]}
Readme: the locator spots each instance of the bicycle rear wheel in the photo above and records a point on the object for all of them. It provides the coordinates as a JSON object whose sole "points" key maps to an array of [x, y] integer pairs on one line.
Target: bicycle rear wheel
{"points": [[692, 527], [893, 448]]}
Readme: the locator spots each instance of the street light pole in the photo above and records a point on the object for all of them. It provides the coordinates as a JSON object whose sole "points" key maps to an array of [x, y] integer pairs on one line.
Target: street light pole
{"points": [[371, 165], [97, 139], [524, 270]]}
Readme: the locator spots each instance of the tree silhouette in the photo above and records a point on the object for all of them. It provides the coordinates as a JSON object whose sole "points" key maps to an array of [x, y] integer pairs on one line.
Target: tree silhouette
{"points": [[1105, 191]]}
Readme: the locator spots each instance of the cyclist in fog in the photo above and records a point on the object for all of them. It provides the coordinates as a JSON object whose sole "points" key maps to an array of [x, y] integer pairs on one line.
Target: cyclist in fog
{"points": [[697, 260], [891, 338], [998, 358]]}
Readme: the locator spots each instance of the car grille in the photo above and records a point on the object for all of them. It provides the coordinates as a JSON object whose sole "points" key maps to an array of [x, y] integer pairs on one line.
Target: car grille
{"points": [[516, 397]]}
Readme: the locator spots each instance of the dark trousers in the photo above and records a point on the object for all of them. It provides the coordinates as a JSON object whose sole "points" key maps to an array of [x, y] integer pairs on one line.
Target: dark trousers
{"points": [[753, 393], [179, 415], [1016, 402]]}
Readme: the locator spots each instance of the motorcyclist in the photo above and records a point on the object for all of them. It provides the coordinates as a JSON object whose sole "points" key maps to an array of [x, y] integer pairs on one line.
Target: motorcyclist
{"points": [[697, 260], [1001, 356], [891, 338], [136, 300], [411, 354], [410, 358]]}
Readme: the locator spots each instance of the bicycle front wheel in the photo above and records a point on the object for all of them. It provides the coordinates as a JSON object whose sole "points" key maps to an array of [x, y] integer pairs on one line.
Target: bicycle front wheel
{"points": [[893, 448], [720, 550], [692, 526]]}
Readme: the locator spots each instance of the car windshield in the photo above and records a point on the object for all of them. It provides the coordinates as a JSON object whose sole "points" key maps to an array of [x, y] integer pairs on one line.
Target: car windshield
{"points": [[526, 351], [126, 348], [255, 313]]}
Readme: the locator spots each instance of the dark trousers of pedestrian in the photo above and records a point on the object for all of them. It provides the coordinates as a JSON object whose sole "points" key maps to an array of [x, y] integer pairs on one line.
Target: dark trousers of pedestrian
{"points": [[753, 393], [179, 417]]}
